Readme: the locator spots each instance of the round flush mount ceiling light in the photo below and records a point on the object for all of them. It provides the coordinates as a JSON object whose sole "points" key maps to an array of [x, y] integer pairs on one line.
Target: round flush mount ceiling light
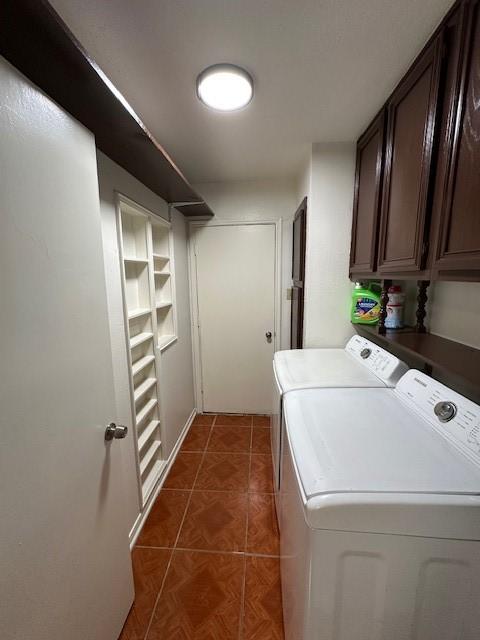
{"points": [[225, 87]]}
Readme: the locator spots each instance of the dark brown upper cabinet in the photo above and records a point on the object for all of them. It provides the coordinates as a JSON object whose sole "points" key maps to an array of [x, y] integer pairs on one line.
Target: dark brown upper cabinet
{"points": [[456, 203], [367, 198], [411, 126]]}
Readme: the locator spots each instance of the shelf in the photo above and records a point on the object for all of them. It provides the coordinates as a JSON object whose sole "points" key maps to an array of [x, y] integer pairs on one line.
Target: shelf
{"points": [[35, 40], [150, 481], [454, 364], [139, 365], [149, 306], [149, 455], [147, 433], [145, 412], [140, 338], [164, 341], [136, 260], [144, 388], [138, 313]]}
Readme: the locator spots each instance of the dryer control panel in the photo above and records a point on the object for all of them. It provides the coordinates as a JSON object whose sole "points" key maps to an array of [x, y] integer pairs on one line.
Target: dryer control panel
{"points": [[452, 415], [385, 365]]}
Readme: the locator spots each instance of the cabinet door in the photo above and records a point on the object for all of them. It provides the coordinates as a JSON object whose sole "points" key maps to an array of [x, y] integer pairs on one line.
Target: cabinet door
{"points": [[412, 115], [366, 203], [457, 194]]}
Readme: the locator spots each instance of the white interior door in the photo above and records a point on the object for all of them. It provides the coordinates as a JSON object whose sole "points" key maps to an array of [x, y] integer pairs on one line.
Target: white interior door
{"points": [[235, 273], [64, 554]]}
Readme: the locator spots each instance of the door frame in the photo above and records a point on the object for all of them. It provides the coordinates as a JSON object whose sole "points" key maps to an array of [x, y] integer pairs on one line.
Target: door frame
{"points": [[193, 291], [302, 208]]}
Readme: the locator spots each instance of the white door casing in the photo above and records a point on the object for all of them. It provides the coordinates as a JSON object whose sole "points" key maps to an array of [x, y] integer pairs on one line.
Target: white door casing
{"points": [[64, 550], [235, 302]]}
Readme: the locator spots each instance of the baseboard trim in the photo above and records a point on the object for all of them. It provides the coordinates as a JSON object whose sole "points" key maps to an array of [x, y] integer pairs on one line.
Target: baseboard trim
{"points": [[142, 517]]}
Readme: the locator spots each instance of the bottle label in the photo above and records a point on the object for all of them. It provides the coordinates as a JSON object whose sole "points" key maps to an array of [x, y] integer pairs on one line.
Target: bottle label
{"points": [[367, 309]]}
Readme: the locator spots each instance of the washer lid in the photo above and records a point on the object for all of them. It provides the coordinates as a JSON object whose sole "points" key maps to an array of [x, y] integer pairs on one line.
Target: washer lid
{"points": [[360, 364], [369, 441]]}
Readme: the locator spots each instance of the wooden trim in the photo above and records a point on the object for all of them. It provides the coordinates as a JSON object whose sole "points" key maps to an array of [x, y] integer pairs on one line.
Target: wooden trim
{"points": [[302, 209], [35, 40], [422, 298], [382, 330], [377, 125], [299, 284], [199, 210]]}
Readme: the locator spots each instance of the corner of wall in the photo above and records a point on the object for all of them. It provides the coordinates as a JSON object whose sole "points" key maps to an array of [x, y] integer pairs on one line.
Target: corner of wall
{"points": [[329, 218]]}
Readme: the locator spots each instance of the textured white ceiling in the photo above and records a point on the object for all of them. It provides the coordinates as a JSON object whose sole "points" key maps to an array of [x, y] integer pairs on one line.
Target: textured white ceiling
{"points": [[322, 69]]}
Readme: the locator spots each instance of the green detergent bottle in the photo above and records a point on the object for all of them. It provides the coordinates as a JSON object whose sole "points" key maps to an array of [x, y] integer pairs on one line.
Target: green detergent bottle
{"points": [[365, 303]]}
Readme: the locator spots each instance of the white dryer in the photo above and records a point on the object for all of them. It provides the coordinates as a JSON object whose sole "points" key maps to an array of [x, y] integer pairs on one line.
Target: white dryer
{"points": [[380, 513], [360, 363]]}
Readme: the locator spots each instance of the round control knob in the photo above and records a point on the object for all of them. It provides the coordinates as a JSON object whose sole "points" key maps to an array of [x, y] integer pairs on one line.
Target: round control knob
{"points": [[366, 353], [445, 411]]}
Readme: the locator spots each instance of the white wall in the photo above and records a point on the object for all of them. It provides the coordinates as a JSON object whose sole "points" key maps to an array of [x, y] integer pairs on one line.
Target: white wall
{"points": [[454, 311], [260, 200], [176, 361], [304, 183], [328, 183]]}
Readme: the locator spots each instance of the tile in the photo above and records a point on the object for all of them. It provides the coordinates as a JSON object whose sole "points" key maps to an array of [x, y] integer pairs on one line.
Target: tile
{"points": [[164, 520], [201, 599], [261, 421], [183, 472], [224, 472], [196, 439], [237, 421], [202, 419], [261, 440], [263, 536], [233, 439], [261, 473], [215, 521], [263, 600], [149, 566]]}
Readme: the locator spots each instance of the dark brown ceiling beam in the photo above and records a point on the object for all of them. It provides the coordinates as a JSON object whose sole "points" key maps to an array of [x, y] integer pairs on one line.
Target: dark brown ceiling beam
{"points": [[35, 40]]}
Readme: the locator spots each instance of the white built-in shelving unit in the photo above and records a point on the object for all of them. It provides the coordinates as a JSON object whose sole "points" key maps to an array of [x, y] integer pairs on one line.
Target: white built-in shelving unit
{"points": [[149, 305]]}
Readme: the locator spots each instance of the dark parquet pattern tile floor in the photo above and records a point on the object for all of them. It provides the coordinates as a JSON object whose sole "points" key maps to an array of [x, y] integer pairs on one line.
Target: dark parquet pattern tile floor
{"points": [[206, 563]]}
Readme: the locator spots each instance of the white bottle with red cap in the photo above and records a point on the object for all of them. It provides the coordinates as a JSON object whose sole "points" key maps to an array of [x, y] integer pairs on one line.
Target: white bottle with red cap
{"points": [[396, 301]]}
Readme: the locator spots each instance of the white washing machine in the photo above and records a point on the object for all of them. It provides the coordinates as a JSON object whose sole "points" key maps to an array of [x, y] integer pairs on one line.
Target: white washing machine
{"points": [[360, 363], [380, 513]]}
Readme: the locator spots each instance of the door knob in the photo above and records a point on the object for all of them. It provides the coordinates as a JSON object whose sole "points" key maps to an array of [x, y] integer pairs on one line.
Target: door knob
{"points": [[115, 431], [268, 336]]}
